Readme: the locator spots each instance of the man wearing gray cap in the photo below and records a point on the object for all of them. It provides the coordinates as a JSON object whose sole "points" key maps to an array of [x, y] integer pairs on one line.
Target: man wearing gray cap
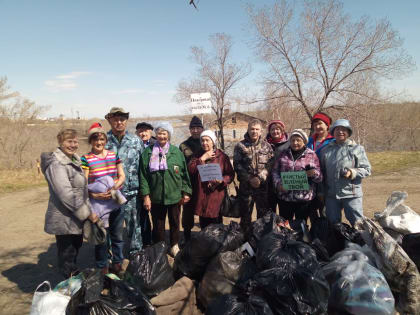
{"points": [[129, 148]]}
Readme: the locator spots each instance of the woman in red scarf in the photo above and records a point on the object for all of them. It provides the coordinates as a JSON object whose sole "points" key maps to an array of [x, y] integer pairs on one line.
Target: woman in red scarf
{"points": [[279, 141]]}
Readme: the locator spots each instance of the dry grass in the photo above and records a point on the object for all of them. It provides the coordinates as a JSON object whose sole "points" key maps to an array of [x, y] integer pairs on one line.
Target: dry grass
{"points": [[389, 161], [15, 180]]}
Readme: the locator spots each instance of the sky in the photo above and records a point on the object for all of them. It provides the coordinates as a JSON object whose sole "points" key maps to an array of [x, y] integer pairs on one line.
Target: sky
{"points": [[81, 57]]}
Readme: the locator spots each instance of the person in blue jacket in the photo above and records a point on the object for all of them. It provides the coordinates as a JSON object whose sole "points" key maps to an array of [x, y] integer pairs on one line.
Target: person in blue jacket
{"points": [[320, 137], [344, 164]]}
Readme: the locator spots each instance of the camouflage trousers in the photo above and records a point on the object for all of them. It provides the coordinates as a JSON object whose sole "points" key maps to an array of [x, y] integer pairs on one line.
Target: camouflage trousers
{"points": [[137, 225], [247, 197]]}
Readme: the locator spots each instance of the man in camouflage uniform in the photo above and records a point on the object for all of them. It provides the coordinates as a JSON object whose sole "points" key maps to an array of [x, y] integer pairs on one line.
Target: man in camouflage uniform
{"points": [[129, 148], [190, 147], [252, 159]]}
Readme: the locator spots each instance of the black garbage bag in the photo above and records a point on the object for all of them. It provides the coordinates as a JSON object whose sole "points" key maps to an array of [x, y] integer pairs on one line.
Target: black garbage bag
{"points": [[334, 236], [321, 229], [191, 261], [231, 304], [321, 251], [234, 237], [411, 245], [293, 291], [117, 298], [268, 223], [277, 251], [357, 287], [223, 273], [149, 270]]}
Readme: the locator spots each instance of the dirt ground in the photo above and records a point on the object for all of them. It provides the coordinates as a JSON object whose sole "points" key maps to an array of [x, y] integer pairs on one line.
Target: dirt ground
{"points": [[28, 255]]}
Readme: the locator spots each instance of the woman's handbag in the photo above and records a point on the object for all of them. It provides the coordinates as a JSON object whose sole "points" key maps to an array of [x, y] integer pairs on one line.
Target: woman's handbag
{"points": [[230, 205]]}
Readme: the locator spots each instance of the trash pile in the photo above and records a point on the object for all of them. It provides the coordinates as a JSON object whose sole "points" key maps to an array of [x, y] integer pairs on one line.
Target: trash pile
{"points": [[277, 267]]}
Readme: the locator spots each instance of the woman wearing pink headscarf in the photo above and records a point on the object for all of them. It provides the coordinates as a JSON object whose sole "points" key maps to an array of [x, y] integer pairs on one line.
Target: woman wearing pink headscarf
{"points": [[279, 141]]}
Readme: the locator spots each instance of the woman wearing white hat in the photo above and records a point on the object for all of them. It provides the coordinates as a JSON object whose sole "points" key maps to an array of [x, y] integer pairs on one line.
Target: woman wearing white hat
{"points": [[208, 195]]}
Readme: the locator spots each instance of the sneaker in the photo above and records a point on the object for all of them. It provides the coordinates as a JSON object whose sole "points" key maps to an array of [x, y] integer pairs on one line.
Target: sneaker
{"points": [[174, 250]]}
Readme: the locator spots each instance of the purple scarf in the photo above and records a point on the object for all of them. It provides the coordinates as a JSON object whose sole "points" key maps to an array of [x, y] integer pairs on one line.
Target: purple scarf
{"points": [[158, 159]]}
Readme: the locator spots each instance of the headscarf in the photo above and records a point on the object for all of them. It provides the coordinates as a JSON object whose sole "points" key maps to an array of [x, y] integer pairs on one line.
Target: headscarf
{"points": [[158, 159]]}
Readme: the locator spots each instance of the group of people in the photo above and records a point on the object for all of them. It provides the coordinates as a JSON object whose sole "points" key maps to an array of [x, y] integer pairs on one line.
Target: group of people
{"points": [[126, 177]]}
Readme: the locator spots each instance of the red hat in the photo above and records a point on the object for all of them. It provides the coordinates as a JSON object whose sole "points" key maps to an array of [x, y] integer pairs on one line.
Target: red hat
{"points": [[323, 117], [273, 122], [95, 128]]}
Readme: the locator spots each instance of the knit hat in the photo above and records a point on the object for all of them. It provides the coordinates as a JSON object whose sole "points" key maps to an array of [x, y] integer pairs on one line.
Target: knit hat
{"points": [[144, 125], [95, 128], [116, 111], [343, 123], [165, 125], [273, 122], [300, 133], [210, 134], [323, 117], [196, 122]]}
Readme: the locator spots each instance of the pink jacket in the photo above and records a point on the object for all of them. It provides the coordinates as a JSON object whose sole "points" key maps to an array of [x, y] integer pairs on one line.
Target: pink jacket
{"points": [[285, 163]]}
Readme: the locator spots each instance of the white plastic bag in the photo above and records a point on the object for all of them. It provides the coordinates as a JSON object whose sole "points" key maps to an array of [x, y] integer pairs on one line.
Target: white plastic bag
{"points": [[397, 216], [49, 302]]}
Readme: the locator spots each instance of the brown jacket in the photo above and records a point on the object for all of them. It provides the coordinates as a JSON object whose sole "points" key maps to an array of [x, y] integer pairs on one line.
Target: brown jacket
{"points": [[207, 201]]}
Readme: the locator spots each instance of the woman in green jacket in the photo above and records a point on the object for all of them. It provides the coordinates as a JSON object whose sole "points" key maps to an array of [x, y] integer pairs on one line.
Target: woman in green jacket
{"points": [[164, 184]]}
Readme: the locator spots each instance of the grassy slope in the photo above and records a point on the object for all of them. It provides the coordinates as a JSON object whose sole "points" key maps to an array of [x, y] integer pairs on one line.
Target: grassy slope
{"points": [[386, 162]]}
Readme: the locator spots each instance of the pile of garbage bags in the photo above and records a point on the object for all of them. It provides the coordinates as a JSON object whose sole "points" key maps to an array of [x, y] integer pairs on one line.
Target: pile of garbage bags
{"points": [[277, 267]]}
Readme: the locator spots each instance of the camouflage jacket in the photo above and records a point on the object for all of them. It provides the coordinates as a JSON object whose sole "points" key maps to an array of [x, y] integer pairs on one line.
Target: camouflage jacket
{"points": [[190, 147], [252, 159], [129, 150]]}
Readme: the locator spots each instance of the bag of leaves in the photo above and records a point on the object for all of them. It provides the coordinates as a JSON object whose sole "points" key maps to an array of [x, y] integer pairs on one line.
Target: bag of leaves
{"points": [[101, 295], [231, 304], [356, 286], [149, 270], [223, 273]]}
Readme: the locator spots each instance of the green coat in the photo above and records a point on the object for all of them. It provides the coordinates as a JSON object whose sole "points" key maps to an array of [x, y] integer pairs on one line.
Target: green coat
{"points": [[165, 187]]}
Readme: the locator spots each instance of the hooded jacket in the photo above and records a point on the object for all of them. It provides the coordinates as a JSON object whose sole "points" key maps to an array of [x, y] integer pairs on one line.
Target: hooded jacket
{"points": [[334, 159], [317, 148], [68, 205], [286, 163]]}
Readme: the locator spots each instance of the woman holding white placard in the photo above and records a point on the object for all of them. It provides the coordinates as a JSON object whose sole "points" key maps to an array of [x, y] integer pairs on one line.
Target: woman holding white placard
{"points": [[208, 195]]}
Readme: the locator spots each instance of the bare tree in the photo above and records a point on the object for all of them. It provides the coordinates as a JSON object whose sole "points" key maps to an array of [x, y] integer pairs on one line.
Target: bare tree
{"points": [[18, 130], [318, 58], [215, 74]]}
